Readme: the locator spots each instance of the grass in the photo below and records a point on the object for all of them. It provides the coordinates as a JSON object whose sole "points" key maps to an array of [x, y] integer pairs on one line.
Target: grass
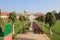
{"points": [[57, 26], [56, 30]]}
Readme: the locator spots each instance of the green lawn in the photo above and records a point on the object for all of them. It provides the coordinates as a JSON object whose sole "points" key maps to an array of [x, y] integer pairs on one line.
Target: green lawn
{"points": [[57, 26], [56, 31]]}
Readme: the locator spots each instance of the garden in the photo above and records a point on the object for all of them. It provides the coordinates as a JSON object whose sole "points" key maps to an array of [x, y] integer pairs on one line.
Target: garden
{"points": [[54, 28], [21, 26]]}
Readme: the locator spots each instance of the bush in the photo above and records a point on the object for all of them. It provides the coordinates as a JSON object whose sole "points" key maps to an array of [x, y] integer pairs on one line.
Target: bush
{"points": [[24, 29], [0, 30], [1, 33]]}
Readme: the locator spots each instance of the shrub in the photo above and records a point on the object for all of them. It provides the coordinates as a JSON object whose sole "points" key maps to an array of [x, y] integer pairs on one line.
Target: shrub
{"points": [[0, 30]]}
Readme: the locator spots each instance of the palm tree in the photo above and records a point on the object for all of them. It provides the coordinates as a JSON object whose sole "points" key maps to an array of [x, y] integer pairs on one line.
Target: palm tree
{"points": [[50, 19], [12, 17]]}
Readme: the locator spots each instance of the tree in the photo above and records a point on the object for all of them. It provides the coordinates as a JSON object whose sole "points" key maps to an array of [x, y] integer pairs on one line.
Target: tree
{"points": [[38, 18], [41, 19], [22, 18], [1, 22], [12, 17], [50, 19], [1, 25], [54, 12]]}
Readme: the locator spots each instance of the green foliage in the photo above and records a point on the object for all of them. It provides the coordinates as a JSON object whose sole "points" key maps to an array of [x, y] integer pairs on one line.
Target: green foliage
{"points": [[41, 18], [19, 27], [50, 19], [1, 21], [22, 18], [56, 30], [54, 12], [38, 18], [1, 27], [16, 28], [24, 29], [12, 16], [1, 24], [0, 30]]}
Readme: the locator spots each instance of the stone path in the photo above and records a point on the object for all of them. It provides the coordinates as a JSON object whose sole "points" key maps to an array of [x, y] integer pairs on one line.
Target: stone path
{"points": [[31, 36]]}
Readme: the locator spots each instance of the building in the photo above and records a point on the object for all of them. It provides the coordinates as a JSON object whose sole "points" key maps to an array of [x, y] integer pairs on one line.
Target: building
{"points": [[5, 15], [26, 13]]}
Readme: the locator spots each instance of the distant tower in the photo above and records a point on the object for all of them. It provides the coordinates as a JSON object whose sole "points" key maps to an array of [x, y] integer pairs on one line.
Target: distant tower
{"points": [[26, 13]]}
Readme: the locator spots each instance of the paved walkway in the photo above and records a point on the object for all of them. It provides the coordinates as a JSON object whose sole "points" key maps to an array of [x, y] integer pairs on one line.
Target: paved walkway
{"points": [[31, 36]]}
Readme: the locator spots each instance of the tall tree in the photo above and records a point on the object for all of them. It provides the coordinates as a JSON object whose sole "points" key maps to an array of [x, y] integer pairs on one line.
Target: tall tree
{"points": [[12, 17], [54, 12], [41, 19], [50, 19]]}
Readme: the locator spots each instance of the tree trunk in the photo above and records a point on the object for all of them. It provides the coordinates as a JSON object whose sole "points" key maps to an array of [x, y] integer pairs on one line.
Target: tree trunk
{"points": [[13, 27], [50, 30]]}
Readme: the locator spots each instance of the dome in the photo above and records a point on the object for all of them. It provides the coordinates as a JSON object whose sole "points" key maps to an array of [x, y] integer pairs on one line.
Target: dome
{"points": [[26, 11]]}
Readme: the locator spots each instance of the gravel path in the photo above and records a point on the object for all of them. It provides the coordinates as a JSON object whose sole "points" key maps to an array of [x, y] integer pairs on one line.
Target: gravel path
{"points": [[31, 36]]}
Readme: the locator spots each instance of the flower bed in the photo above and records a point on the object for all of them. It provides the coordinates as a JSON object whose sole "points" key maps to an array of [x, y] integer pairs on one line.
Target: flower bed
{"points": [[36, 28]]}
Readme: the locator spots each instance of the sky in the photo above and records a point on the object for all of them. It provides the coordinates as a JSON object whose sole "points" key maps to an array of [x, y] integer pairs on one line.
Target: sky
{"points": [[31, 5]]}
